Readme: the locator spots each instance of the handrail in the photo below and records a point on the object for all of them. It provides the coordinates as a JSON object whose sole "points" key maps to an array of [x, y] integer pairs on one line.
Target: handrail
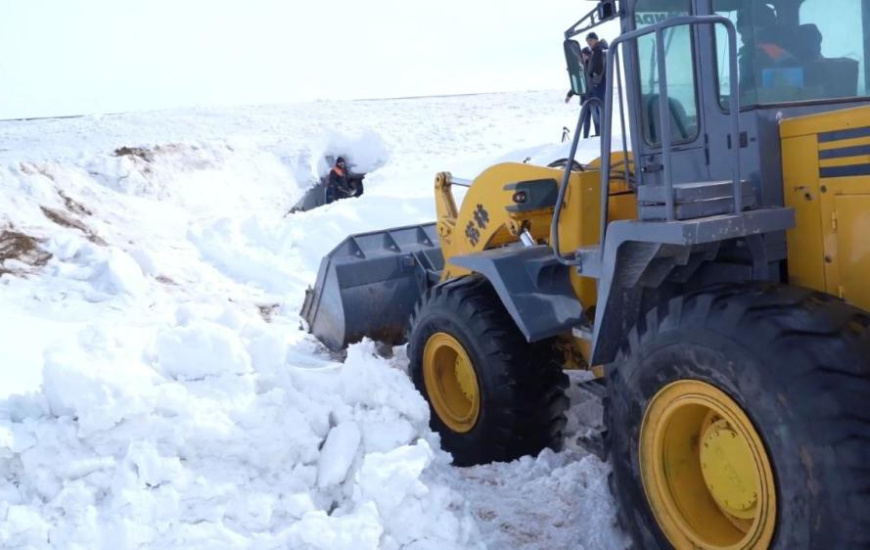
{"points": [[560, 199], [664, 115], [606, 135], [622, 120]]}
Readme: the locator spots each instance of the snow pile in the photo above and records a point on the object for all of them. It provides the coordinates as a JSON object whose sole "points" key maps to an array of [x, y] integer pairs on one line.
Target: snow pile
{"points": [[205, 439], [364, 152], [550, 502], [158, 392]]}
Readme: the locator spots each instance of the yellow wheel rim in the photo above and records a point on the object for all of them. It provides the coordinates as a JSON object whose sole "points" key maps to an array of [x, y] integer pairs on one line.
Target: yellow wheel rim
{"points": [[705, 471], [451, 382]]}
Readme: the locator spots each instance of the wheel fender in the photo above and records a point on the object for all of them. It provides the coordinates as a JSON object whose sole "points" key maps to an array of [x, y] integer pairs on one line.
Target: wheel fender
{"points": [[533, 286]]}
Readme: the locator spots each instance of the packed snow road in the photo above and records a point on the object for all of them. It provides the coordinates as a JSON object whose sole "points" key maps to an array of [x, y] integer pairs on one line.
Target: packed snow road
{"points": [[157, 391]]}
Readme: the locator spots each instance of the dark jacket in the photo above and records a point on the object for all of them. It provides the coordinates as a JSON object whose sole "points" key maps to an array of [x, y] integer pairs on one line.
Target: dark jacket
{"points": [[338, 181], [597, 68], [587, 71]]}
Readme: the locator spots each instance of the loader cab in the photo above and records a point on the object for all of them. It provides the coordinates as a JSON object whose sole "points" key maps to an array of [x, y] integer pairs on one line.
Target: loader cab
{"points": [[795, 57]]}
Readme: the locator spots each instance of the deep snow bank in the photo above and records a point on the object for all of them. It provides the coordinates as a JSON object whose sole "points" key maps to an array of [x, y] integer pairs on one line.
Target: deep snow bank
{"points": [[175, 403], [205, 438], [172, 416]]}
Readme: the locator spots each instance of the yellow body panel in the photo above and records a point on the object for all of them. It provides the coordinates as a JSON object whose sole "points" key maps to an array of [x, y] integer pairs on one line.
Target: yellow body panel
{"points": [[845, 221], [579, 226], [830, 121], [483, 222], [853, 247], [824, 181], [806, 251]]}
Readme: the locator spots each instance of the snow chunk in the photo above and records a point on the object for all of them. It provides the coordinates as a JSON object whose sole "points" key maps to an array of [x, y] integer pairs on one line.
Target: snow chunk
{"points": [[20, 525], [359, 531], [201, 349], [119, 274], [100, 390], [393, 481], [147, 262], [387, 478], [338, 454]]}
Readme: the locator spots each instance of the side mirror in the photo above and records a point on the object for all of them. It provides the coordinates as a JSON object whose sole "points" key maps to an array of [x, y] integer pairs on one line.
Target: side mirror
{"points": [[576, 71]]}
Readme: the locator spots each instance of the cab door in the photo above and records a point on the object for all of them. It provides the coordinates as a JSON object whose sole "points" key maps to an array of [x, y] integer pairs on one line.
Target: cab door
{"points": [[689, 155]]}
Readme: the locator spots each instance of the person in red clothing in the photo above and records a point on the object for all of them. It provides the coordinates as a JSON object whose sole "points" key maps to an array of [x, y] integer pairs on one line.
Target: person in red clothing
{"points": [[338, 186]]}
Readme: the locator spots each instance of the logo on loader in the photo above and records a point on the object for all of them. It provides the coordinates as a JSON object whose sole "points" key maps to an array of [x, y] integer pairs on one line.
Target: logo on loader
{"points": [[472, 233], [481, 216]]}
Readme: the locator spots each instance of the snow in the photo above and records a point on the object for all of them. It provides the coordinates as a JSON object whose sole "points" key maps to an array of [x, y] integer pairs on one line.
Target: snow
{"points": [[157, 389], [337, 454], [550, 501]]}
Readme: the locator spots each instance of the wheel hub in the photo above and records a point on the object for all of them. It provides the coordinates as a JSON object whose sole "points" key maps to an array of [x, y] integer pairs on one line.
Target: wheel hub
{"points": [[465, 377], [705, 471], [451, 382], [729, 470]]}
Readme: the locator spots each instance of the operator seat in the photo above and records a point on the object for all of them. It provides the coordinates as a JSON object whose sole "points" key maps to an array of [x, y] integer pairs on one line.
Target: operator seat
{"points": [[679, 119]]}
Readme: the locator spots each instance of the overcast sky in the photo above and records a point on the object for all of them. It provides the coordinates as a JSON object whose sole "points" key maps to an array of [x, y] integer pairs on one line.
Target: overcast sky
{"points": [[62, 57]]}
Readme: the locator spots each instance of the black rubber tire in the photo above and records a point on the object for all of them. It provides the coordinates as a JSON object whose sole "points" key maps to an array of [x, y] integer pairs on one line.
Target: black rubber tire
{"points": [[522, 385], [798, 362]]}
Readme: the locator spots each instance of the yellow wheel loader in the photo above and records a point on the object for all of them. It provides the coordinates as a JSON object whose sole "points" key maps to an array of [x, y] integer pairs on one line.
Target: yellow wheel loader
{"points": [[715, 272]]}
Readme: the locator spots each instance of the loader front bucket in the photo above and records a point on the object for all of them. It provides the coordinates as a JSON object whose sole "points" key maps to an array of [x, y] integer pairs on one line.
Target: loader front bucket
{"points": [[368, 285]]}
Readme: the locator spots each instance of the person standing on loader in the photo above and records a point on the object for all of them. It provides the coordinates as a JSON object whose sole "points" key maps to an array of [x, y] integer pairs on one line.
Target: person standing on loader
{"points": [[337, 185], [596, 75], [585, 58]]}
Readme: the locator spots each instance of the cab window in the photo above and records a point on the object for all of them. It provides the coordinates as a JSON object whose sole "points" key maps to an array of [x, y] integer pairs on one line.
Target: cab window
{"points": [[795, 51], [682, 98]]}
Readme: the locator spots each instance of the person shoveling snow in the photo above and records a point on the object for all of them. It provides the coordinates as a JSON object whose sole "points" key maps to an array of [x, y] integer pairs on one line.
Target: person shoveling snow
{"points": [[339, 183]]}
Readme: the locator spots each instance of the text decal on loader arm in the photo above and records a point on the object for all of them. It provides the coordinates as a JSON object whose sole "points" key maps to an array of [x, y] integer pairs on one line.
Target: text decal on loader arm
{"points": [[481, 218]]}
